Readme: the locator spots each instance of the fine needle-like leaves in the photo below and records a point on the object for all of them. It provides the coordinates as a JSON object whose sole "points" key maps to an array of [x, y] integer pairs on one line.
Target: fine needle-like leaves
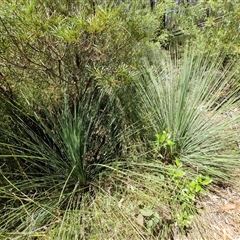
{"points": [[196, 101]]}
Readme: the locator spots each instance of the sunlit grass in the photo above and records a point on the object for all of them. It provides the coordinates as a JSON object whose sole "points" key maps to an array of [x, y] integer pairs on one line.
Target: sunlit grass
{"points": [[196, 101], [82, 171]]}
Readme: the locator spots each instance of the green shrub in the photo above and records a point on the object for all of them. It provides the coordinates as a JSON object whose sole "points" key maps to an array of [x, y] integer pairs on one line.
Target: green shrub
{"points": [[46, 47], [209, 25]]}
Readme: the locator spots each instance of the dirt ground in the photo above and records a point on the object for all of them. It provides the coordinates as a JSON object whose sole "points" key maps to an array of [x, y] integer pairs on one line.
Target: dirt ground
{"points": [[219, 216]]}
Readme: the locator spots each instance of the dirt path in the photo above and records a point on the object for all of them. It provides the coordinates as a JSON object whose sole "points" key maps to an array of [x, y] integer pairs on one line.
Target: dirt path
{"points": [[219, 216]]}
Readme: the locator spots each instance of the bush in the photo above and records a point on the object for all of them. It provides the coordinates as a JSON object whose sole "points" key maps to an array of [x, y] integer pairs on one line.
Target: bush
{"points": [[47, 47], [212, 26]]}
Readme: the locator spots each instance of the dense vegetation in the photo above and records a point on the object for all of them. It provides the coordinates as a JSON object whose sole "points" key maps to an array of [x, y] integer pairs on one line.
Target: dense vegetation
{"points": [[115, 117]]}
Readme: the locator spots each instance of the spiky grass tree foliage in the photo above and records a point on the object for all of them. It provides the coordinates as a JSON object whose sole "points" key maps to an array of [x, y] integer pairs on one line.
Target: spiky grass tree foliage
{"points": [[62, 178], [49, 160], [196, 102]]}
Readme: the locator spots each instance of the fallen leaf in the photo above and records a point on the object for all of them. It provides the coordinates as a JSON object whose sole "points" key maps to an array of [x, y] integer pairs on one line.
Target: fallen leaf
{"points": [[140, 220], [136, 210], [230, 206]]}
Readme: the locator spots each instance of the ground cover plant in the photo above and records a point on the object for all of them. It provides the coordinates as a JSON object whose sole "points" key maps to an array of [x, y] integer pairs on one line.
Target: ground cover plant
{"points": [[105, 134]]}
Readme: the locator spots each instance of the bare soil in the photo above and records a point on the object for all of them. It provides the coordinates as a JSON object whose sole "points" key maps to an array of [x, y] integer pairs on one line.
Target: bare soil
{"points": [[219, 216]]}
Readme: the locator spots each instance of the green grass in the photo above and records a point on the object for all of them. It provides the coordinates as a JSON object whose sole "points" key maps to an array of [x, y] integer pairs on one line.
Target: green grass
{"points": [[51, 157], [192, 99], [82, 171]]}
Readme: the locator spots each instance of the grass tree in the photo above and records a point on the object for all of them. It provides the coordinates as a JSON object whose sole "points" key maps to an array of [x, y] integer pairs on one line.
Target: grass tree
{"points": [[63, 175], [195, 100], [51, 158]]}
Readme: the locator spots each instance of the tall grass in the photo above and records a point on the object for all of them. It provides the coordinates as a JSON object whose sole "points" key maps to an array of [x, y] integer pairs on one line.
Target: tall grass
{"points": [[87, 168], [50, 160], [196, 101]]}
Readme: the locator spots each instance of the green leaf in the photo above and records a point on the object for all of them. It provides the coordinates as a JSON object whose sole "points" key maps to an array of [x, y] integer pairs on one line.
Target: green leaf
{"points": [[178, 163], [161, 177], [192, 184], [169, 142], [156, 216], [206, 181], [146, 212], [198, 188], [160, 138], [150, 223], [179, 173]]}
